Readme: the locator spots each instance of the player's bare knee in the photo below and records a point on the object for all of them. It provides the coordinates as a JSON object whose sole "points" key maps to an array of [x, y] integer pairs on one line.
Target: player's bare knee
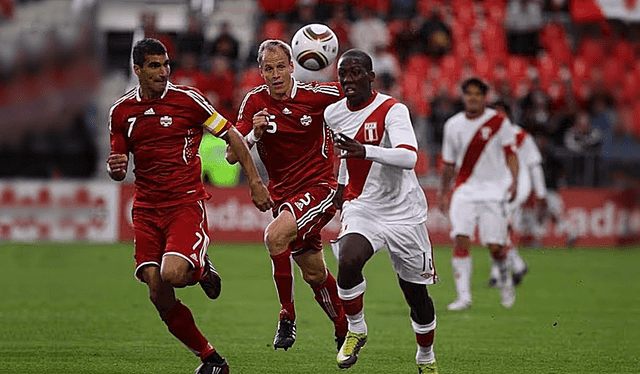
{"points": [[314, 277], [276, 241], [175, 277]]}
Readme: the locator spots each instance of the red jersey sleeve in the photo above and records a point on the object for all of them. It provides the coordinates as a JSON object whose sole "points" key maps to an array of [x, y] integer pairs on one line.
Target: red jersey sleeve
{"points": [[244, 124], [117, 132]]}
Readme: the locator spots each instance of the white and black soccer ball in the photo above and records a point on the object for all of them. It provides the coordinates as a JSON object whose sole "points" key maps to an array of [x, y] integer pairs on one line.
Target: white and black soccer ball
{"points": [[314, 46]]}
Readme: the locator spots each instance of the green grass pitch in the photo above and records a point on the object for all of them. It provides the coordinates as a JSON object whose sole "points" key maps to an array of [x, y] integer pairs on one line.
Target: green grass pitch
{"points": [[76, 308]]}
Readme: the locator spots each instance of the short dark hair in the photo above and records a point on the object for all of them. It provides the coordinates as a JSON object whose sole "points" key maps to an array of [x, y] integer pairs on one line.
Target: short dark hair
{"points": [[364, 58], [147, 46], [272, 45], [502, 104], [475, 81]]}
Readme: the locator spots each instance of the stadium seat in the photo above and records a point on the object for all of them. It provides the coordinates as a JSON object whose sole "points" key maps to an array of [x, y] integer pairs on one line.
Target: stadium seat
{"points": [[412, 90], [591, 50], [274, 29], [517, 67], [418, 63], [623, 51]]}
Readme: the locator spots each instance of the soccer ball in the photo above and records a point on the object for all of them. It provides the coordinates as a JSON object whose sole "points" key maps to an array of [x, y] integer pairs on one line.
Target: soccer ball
{"points": [[314, 46]]}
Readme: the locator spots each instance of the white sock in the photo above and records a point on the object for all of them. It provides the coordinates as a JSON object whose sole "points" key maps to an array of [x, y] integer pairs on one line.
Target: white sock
{"points": [[425, 355], [515, 261], [495, 272], [357, 323], [462, 267], [503, 270]]}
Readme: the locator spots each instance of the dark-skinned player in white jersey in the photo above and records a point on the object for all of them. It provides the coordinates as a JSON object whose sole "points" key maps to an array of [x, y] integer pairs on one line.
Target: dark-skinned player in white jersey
{"points": [[383, 206]]}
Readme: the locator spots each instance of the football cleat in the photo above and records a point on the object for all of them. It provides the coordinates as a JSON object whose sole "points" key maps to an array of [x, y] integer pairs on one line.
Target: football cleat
{"points": [[285, 335], [507, 294], [211, 283], [213, 368], [493, 282], [459, 304], [348, 353], [431, 368], [517, 277]]}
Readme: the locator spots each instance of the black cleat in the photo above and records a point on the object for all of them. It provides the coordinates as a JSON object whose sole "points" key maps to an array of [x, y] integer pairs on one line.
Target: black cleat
{"points": [[211, 283], [517, 277], [493, 282], [285, 335], [213, 368]]}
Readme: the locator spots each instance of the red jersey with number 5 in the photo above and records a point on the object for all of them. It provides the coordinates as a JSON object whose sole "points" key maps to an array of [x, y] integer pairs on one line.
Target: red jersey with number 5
{"points": [[296, 148], [164, 135]]}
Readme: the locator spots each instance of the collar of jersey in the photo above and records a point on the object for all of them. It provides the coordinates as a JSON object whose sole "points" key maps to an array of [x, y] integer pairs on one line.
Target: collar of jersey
{"points": [[365, 104], [166, 88]]}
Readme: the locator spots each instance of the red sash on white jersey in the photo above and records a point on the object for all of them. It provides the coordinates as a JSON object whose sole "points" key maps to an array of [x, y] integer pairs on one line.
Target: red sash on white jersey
{"points": [[479, 141], [370, 132]]}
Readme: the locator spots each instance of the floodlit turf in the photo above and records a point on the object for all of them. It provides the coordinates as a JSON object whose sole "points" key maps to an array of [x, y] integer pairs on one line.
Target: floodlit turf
{"points": [[76, 308]]}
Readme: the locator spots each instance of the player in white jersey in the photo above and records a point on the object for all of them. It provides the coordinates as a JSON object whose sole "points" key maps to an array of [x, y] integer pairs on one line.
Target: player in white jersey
{"points": [[530, 196], [383, 206], [478, 152]]}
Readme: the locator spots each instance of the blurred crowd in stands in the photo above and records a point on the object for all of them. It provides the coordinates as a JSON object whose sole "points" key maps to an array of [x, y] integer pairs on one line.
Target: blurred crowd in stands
{"points": [[574, 85]]}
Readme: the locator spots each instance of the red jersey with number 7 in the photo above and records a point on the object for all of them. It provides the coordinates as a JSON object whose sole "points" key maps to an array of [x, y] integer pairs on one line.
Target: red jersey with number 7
{"points": [[296, 148], [164, 135]]}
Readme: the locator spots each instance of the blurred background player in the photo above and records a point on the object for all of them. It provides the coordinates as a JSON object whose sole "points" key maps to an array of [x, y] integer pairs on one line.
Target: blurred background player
{"points": [[478, 153], [382, 206], [284, 118], [169, 218], [530, 198]]}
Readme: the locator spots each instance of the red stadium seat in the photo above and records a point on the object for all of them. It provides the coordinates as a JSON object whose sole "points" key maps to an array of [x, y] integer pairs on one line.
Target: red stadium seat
{"points": [[274, 29], [613, 71], [418, 63], [580, 69], [623, 51], [412, 90], [591, 50], [517, 67]]}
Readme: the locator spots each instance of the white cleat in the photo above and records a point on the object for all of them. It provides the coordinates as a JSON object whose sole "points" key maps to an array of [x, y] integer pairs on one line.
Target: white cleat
{"points": [[507, 294], [459, 304]]}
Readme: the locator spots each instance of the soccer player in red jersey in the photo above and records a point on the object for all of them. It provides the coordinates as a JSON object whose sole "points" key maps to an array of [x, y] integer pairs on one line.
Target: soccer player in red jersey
{"points": [[284, 118], [162, 124]]}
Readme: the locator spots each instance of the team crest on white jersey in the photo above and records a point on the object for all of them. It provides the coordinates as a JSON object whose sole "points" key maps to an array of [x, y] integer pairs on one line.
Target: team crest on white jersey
{"points": [[166, 121], [305, 120], [370, 132]]}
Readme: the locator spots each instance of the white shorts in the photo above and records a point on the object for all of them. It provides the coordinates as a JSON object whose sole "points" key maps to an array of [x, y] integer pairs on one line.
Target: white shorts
{"points": [[489, 216], [408, 245]]}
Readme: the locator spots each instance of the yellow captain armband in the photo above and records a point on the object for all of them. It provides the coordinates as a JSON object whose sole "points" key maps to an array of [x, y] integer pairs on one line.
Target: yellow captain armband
{"points": [[216, 123]]}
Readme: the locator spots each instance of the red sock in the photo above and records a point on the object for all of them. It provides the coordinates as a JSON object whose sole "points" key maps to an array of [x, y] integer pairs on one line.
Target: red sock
{"points": [[353, 306], [425, 340], [181, 324], [283, 278], [461, 252], [327, 297]]}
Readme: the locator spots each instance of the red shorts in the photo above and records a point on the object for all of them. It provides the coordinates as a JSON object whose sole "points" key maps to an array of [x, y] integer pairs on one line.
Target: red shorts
{"points": [[179, 230], [313, 209]]}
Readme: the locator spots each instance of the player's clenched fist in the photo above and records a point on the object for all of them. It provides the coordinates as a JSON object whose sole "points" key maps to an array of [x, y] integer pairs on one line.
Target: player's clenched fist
{"points": [[260, 122], [117, 166]]}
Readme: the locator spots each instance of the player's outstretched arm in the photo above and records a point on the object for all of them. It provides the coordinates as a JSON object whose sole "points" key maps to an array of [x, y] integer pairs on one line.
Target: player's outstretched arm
{"points": [[117, 166], [259, 194]]}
